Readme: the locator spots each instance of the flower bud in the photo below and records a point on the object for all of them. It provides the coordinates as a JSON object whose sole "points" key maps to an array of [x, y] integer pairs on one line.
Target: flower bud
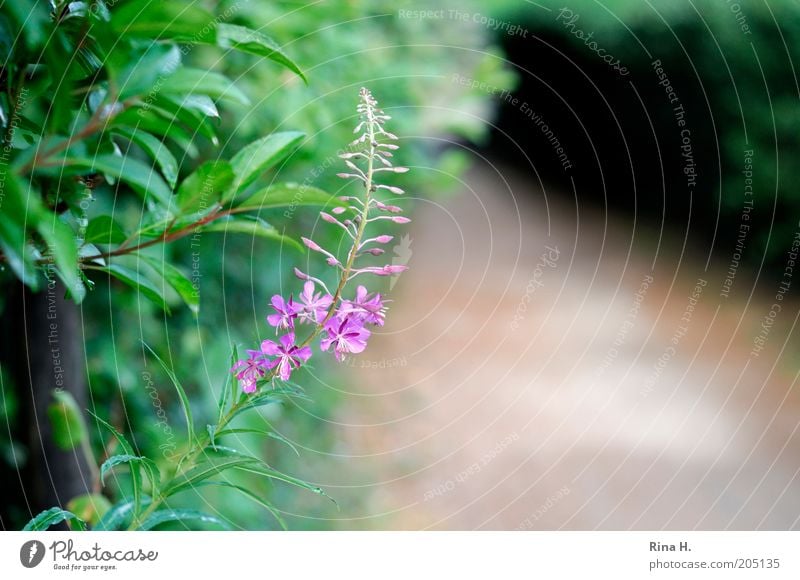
{"points": [[390, 269], [311, 244]]}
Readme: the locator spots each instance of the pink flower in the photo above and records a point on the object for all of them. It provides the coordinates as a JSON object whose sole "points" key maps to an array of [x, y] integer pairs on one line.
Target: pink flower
{"points": [[369, 307], [250, 370], [288, 356], [346, 334], [314, 307], [286, 312]]}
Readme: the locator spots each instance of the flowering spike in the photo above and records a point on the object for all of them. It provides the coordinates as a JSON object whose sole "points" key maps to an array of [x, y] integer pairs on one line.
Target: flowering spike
{"points": [[340, 324]]}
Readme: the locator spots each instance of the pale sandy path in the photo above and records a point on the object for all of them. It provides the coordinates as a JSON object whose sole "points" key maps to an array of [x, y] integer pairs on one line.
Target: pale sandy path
{"points": [[477, 424]]}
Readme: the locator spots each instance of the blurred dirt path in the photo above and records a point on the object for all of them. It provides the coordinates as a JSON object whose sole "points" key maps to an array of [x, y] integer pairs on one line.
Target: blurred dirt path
{"points": [[543, 368]]}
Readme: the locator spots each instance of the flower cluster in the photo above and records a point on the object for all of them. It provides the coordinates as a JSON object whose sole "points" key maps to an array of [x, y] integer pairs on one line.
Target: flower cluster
{"points": [[342, 325]]}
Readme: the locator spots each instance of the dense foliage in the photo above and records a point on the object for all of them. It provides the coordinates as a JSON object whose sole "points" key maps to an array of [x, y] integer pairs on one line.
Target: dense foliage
{"points": [[157, 159]]}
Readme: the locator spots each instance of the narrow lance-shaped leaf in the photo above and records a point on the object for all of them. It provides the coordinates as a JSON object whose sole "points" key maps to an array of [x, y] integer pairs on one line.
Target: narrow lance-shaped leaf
{"points": [[253, 496], [180, 515], [274, 474], [149, 466], [51, 517], [127, 449], [229, 388], [184, 399], [119, 515], [270, 434], [202, 472]]}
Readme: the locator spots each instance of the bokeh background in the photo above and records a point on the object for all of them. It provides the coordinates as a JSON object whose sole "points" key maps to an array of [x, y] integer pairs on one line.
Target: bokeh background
{"points": [[597, 327]]}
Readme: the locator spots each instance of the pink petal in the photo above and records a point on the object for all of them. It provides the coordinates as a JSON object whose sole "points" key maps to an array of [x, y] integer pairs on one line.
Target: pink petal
{"points": [[303, 353], [287, 340], [308, 290], [270, 348]]}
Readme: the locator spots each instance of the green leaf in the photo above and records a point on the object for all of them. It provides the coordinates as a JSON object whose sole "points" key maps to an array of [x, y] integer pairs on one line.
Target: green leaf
{"points": [[158, 122], [112, 462], [191, 111], [104, 230], [63, 249], [200, 103], [271, 434], [89, 507], [127, 449], [269, 397], [139, 176], [203, 188], [138, 282], [251, 225], [51, 517], [258, 156], [157, 150], [187, 409], [149, 466], [18, 201], [66, 421], [140, 73], [119, 515], [246, 492], [176, 279], [202, 472], [245, 39], [228, 389], [162, 20], [180, 515], [277, 475], [288, 195], [32, 22], [203, 82]]}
